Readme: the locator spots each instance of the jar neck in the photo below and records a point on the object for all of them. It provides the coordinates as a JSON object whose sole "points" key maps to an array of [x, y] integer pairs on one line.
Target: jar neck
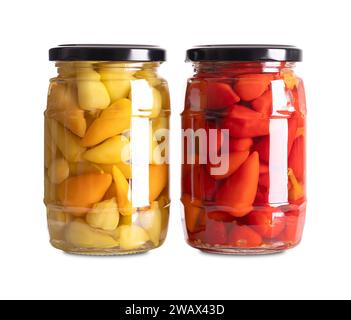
{"points": [[232, 67], [68, 68]]}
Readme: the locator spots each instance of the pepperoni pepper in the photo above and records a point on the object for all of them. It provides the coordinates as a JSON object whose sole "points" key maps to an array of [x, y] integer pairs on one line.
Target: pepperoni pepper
{"points": [[193, 213], [244, 237], [269, 223], [263, 104], [215, 233], [252, 86], [297, 158], [236, 159], [243, 144], [220, 96], [238, 192], [244, 122]]}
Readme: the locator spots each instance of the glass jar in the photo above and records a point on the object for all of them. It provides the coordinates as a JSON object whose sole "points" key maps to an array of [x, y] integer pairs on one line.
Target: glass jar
{"points": [[243, 172], [106, 149]]}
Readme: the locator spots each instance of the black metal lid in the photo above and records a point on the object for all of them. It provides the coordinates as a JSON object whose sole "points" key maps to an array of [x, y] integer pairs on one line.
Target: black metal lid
{"points": [[253, 52], [107, 52]]}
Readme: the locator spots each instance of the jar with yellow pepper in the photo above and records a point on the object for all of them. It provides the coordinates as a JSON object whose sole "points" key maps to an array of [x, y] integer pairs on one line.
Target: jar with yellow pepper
{"points": [[106, 149]]}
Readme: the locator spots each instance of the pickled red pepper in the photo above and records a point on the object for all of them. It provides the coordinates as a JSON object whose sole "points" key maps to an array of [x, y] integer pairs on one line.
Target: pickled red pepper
{"points": [[258, 204]]}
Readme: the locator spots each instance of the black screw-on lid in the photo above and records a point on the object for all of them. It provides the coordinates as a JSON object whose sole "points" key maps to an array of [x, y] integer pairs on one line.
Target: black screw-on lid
{"points": [[107, 52], [252, 52]]}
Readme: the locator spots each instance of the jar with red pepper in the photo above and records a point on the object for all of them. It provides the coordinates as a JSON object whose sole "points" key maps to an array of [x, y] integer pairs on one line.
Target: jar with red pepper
{"points": [[244, 132]]}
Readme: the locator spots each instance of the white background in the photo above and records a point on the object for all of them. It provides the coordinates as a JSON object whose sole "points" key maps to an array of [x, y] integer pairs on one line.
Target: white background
{"points": [[319, 268]]}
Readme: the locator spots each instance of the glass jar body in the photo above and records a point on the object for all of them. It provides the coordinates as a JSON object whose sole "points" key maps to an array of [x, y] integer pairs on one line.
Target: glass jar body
{"points": [[243, 171], [106, 157]]}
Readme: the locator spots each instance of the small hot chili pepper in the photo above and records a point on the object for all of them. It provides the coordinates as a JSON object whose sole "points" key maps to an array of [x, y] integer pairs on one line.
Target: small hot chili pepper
{"points": [[252, 86], [291, 81], [297, 158], [244, 237], [293, 228], [299, 103], [263, 104], [215, 233], [193, 213], [269, 223], [296, 191], [236, 159], [238, 192], [243, 144], [300, 132], [220, 96], [244, 122]]}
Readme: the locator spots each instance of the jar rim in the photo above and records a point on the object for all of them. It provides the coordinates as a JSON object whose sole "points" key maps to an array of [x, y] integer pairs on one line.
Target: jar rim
{"points": [[244, 52], [107, 52]]}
